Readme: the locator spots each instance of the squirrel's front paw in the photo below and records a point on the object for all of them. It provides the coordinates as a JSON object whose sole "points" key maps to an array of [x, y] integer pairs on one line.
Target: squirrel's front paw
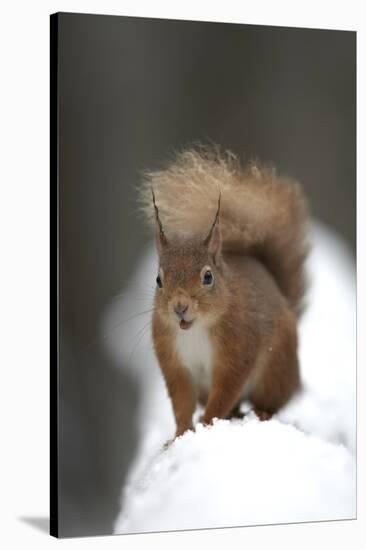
{"points": [[203, 419], [262, 415], [180, 431]]}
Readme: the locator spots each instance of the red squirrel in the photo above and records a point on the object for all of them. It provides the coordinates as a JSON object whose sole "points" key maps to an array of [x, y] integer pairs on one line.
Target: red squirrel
{"points": [[232, 242]]}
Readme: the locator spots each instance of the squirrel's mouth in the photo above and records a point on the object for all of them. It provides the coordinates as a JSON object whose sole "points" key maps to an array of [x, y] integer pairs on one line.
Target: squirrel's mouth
{"points": [[185, 325]]}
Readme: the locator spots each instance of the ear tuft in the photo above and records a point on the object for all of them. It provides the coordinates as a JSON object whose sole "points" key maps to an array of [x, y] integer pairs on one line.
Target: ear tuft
{"points": [[160, 238], [213, 239]]}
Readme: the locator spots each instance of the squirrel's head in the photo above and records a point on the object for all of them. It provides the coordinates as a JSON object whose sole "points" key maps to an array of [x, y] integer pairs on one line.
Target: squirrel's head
{"points": [[190, 281]]}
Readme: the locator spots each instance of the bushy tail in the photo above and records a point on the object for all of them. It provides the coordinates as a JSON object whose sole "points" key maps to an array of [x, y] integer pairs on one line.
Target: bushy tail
{"points": [[261, 213]]}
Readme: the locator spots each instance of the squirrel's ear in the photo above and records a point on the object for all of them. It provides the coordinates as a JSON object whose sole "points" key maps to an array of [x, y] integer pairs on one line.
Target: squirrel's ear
{"points": [[160, 238], [213, 239]]}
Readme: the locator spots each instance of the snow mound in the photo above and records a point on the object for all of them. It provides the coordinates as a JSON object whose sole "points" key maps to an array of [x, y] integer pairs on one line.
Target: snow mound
{"points": [[299, 466], [243, 472]]}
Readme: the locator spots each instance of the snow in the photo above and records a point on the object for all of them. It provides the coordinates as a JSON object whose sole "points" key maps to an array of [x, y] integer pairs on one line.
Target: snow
{"points": [[299, 466]]}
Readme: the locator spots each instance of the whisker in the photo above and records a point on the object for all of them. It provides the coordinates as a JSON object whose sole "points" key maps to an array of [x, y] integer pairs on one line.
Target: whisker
{"points": [[146, 293], [140, 334], [131, 318], [106, 335]]}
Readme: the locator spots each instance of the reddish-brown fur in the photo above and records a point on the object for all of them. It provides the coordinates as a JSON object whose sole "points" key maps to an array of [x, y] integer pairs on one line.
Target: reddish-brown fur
{"points": [[255, 250]]}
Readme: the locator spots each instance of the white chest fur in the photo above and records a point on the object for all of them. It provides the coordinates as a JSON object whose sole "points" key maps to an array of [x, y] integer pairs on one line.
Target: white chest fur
{"points": [[194, 348]]}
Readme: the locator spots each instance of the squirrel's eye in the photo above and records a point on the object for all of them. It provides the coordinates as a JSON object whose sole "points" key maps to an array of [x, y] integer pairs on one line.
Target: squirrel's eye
{"points": [[207, 278], [158, 281]]}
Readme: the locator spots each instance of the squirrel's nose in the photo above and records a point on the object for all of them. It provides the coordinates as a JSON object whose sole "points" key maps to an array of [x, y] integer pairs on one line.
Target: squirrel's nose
{"points": [[180, 310]]}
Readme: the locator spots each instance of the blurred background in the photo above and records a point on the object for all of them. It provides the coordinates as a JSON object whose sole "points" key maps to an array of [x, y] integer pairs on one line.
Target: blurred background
{"points": [[130, 92]]}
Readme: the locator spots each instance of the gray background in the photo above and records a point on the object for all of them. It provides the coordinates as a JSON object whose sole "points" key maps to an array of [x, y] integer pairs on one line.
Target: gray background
{"points": [[130, 91]]}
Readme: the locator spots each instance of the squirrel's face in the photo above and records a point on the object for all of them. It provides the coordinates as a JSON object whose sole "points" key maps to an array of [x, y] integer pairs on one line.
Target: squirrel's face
{"points": [[190, 284]]}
